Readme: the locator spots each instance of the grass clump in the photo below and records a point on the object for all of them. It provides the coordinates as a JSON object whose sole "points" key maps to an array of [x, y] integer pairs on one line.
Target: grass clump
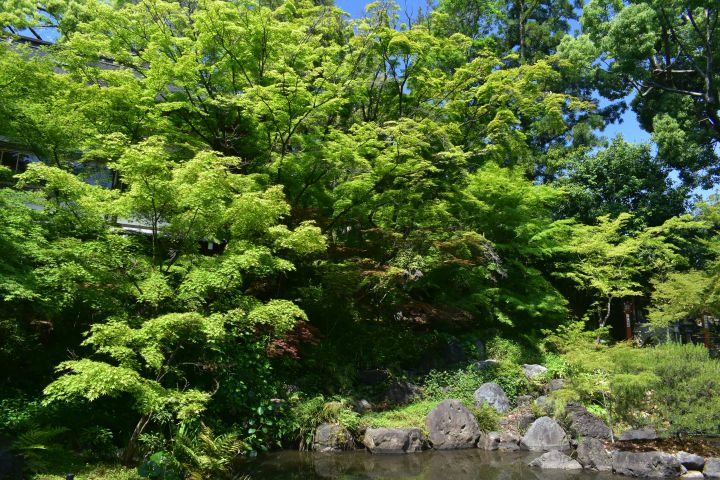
{"points": [[309, 414], [461, 384], [92, 472], [407, 416], [414, 415]]}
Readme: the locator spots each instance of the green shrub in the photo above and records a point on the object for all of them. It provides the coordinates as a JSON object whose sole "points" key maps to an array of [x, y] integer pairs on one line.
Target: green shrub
{"points": [[309, 414], [18, 412], [459, 384], [556, 365], [687, 395], [511, 378], [487, 417], [674, 387], [504, 350]]}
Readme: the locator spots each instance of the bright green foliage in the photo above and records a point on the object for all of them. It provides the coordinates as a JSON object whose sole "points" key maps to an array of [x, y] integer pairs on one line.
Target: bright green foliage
{"points": [[683, 295], [689, 294], [610, 262], [530, 28], [673, 387], [310, 413]]}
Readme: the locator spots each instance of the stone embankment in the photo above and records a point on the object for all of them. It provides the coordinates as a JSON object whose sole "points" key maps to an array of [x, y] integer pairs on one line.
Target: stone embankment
{"points": [[577, 440]]}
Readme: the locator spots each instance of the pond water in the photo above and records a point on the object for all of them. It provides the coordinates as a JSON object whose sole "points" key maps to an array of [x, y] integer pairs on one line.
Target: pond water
{"points": [[470, 464]]}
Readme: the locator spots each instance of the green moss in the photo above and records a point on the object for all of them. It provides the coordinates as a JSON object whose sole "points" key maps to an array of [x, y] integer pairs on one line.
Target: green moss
{"points": [[94, 472], [414, 415]]}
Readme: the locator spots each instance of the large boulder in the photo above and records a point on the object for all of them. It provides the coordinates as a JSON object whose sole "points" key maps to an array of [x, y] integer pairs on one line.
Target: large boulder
{"points": [[452, 426], [545, 434], [592, 455], [646, 464], [690, 461], [532, 370], [555, 460], [363, 406], [332, 437], [393, 440], [486, 364], [554, 385], [584, 424], [402, 393], [712, 468], [493, 394], [489, 441], [509, 441], [639, 434]]}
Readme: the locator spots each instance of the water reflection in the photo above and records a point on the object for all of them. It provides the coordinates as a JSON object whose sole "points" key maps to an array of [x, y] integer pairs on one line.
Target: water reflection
{"points": [[430, 465]]}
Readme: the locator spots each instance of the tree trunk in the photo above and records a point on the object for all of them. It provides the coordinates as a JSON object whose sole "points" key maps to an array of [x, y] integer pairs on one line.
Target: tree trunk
{"points": [[521, 32], [603, 321], [132, 447]]}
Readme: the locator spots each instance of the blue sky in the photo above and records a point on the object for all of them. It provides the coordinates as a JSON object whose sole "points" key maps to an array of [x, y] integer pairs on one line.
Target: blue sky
{"points": [[356, 8]]}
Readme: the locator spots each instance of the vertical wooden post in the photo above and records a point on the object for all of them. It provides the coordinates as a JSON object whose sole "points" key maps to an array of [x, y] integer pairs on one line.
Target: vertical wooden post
{"points": [[628, 324]]}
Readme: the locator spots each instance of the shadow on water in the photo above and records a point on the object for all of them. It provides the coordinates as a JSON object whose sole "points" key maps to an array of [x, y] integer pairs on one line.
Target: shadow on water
{"points": [[430, 465]]}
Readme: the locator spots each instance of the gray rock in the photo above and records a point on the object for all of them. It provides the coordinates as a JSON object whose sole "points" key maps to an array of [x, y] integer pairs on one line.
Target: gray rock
{"points": [[486, 364], [523, 400], [545, 434], [393, 440], [452, 426], [332, 437], [509, 441], [532, 370], [555, 460], [584, 424], [493, 394], [363, 406], [645, 464], [639, 434], [402, 393], [489, 441], [554, 385], [592, 455], [690, 460], [712, 468], [692, 474]]}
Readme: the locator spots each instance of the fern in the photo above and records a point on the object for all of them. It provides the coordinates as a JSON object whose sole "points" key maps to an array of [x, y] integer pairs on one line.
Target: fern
{"points": [[204, 455], [38, 446]]}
